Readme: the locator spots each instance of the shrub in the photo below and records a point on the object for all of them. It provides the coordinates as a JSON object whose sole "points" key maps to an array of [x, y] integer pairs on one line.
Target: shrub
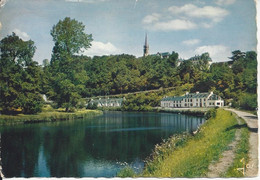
{"points": [[92, 106], [126, 172], [248, 101], [211, 113]]}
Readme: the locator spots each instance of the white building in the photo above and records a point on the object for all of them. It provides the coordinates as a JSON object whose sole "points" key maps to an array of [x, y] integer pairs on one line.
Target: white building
{"points": [[197, 59], [193, 100], [114, 102]]}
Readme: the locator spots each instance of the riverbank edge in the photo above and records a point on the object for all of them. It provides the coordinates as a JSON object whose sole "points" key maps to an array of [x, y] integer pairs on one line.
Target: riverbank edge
{"points": [[187, 111], [188, 166], [175, 143], [47, 117]]}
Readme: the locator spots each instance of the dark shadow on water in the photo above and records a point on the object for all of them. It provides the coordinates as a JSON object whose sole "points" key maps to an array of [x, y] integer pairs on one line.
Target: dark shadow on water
{"points": [[237, 126]]}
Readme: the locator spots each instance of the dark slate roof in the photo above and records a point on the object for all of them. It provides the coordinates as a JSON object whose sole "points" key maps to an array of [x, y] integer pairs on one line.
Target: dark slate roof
{"points": [[193, 95], [214, 97], [178, 98], [197, 95], [165, 54]]}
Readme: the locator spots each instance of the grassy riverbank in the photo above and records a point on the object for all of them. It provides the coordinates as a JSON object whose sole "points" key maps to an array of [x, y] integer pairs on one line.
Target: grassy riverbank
{"points": [[189, 156], [48, 115], [193, 158]]}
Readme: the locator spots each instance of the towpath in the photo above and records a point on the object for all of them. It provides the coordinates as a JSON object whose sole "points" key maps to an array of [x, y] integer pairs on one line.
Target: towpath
{"points": [[252, 123], [219, 168]]}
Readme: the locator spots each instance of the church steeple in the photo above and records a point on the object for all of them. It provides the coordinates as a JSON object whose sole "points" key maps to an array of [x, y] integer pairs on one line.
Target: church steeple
{"points": [[146, 46]]}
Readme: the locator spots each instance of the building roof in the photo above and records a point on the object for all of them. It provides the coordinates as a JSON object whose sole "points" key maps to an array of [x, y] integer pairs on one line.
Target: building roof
{"points": [[197, 95], [178, 98], [162, 54], [204, 56], [193, 95], [113, 100], [214, 97], [165, 54]]}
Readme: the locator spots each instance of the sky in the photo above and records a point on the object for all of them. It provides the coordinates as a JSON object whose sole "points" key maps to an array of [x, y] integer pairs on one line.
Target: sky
{"points": [[188, 27]]}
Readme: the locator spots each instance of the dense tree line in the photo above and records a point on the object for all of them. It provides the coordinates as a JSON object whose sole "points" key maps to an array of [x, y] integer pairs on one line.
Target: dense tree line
{"points": [[69, 77], [20, 76]]}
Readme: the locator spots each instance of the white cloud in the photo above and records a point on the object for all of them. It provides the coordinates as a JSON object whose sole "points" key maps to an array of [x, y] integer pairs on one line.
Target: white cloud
{"points": [[186, 17], [225, 2], [217, 52], [174, 25], [151, 18], [23, 35], [100, 48], [191, 42], [184, 9], [87, 1], [192, 11]]}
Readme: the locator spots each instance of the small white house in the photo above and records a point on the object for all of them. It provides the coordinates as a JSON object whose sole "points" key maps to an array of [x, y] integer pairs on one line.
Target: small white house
{"points": [[114, 102], [190, 100]]}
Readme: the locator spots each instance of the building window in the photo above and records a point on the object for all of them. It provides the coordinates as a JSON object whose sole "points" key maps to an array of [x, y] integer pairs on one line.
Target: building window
{"points": [[218, 103]]}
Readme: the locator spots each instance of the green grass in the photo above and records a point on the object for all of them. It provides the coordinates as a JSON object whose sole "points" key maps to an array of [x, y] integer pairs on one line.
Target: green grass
{"points": [[47, 115], [126, 172], [192, 156], [241, 157]]}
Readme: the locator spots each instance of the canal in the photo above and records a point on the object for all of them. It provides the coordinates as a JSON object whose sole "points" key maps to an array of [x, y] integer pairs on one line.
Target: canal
{"points": [[96, 147]]}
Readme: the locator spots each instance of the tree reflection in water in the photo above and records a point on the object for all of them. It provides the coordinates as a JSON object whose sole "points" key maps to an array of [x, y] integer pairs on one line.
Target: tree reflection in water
{"points": [[97, 147]]}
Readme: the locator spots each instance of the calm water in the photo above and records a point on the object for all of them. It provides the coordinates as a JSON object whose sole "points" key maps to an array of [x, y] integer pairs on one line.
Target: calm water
{"points": [[97, 147]]}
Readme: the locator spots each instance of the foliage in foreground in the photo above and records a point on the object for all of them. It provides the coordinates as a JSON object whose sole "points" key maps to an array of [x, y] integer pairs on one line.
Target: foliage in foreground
{"points": [[193, 158], [211, 113], [126, 172]]}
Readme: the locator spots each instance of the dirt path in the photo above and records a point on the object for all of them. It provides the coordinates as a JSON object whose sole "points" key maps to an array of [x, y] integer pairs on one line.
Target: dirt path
{"points": [[220, 167], [252, 123]]}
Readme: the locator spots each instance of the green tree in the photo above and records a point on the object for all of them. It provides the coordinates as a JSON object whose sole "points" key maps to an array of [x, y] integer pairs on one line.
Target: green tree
{"points": [[173, 59], [69, 36], [236, 55], [68, 75], [19, 76]]}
